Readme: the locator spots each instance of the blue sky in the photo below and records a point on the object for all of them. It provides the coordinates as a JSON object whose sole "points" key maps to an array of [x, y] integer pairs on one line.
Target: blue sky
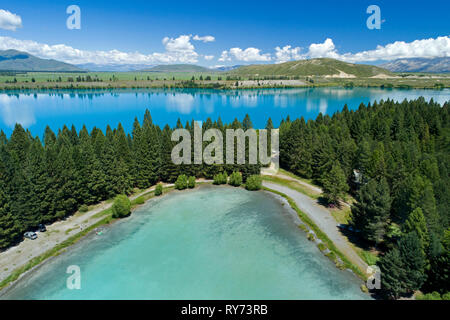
{"points": [[140, 26]]}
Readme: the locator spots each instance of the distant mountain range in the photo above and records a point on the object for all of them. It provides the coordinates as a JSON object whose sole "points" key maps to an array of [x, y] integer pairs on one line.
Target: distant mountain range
{"points": [[113, 67], [310, 67], [435, 65], [178, 68], [13, 60], [225, 68]]}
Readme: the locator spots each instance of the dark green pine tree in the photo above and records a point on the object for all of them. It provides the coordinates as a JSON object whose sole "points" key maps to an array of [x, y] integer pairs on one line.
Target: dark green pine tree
{"points": [[335, 185], [10, 231], [169, 170], [38, 182], [392, 273], [414, 261], [247, 123], [91, 175], [117, 178], [65, 197], [438, 274], [323, 156], [371, 211], [416, 222]]}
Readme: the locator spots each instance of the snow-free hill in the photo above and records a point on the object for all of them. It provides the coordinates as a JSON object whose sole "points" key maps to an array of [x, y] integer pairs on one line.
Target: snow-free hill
{"points": [[312, 67], [13, 60], [435, 65]]}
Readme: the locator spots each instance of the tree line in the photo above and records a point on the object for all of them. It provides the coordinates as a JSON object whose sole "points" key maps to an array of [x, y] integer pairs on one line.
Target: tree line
{"points": [[42, 181], [393, 157]]}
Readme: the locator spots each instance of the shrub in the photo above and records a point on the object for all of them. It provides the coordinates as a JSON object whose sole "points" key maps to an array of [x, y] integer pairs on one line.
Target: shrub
{"points": [[158, 189], [235, 179], [253, 183], [220, 178], [322, 246], [191, 182], [303, 227], [84, 208], [181, 182], [121, 206], [139, 200], [429, 296]]}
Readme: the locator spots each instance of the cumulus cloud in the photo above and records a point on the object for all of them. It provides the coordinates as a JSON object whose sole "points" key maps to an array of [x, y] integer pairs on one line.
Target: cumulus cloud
{"points": [[287, 53], [181, 50], [9, 21], [204, 39], [249, 54], [425, 48], [178, 50], [323, 50]]}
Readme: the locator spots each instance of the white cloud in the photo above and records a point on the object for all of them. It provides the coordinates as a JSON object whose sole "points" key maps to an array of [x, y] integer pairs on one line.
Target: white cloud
{"points": [[178, 50], [9, 21], [204, 39], [249, 54], [181, 50], [323, 50], [425, 48], [288, 53]]}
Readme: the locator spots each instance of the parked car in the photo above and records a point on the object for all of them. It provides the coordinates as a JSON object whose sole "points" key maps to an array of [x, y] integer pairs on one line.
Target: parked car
{"points": [[30, 235], [347, 227], [42, 228]]}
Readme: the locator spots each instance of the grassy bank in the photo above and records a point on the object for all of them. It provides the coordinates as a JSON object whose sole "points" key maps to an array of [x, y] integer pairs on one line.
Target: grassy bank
{"points": [[334, 251]]}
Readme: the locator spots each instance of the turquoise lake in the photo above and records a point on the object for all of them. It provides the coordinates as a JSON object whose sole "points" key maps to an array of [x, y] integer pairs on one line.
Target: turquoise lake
{"points": [[36, 110], [207, 243]]}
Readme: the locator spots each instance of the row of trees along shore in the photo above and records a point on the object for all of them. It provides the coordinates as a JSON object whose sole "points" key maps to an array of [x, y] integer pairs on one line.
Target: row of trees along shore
{"points": [[394, 159], [42, 181], [400, 152]]}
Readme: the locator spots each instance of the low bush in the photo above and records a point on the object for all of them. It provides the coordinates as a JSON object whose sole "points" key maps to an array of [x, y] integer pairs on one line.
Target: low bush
{"points": [[220, 178], [159, 189], [121, 206], [84, 208], [191, 182], [182, 182], [139, 201], [235, 179], [253, 183]]}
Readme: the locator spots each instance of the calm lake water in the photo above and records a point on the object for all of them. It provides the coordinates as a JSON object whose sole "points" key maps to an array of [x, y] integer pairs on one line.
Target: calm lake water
{"points": [[36, 110], [208, 243]]}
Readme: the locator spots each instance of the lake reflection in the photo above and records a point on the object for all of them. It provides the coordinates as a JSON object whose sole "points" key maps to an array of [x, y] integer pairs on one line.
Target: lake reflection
{"points": [[36, 110]]}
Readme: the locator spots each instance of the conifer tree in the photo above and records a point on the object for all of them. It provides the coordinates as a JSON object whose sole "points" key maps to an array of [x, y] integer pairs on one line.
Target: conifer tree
{"points": [[335, 185], [370, 213]]}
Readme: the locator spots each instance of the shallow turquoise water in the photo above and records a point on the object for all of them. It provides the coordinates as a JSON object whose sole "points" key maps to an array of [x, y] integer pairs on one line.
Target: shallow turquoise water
{"points": [[209, 243], [36, 110]]}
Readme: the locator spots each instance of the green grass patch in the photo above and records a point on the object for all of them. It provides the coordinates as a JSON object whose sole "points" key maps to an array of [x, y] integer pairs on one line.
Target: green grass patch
{"points": [[368, 257], [341, 215], [293, 185]]}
